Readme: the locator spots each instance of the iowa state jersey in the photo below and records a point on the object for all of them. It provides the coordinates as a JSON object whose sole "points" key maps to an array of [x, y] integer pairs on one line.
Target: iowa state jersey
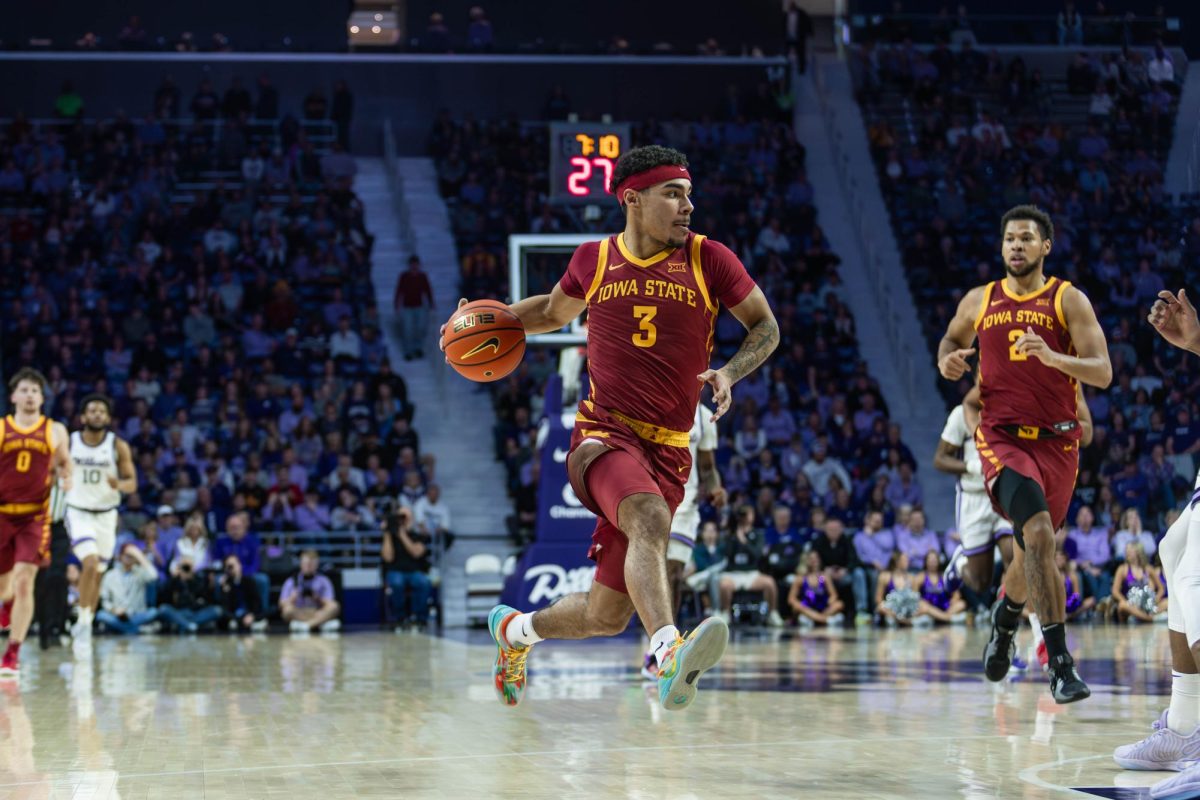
{"points": [[26, 455], [1016, 388], [651, 322]]}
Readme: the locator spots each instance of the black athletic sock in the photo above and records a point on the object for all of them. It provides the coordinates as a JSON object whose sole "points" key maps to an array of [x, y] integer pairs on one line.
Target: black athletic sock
{"points": [[1056, 640], [1008, 617]]}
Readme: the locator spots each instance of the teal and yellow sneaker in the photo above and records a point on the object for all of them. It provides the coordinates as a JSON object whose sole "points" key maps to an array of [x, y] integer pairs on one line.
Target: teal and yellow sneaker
{"points": [[687, 659], [508, 674]]}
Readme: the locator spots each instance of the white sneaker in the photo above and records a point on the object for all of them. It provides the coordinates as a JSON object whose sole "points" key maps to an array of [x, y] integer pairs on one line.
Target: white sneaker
{"points": [[299, 627], [836, 621], [954, 566], [1183, 786], [1163, 749], [805, 623], [774, 620], [332, 626], [723, 616], [258, 625], [922, 621], [81, 632], [958, 619]]}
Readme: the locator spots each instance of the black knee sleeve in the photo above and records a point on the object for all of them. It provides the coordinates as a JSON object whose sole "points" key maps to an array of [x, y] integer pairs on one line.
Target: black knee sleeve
{"points": [[1019, 498]]}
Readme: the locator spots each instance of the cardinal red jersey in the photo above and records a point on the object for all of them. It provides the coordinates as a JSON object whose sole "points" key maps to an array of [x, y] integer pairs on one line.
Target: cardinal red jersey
{"points": [[1017, 389], [26, 455], [651, 321]]}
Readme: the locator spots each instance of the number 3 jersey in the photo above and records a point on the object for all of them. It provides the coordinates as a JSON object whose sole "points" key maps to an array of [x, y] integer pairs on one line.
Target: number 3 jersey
{"points": [[90, 490], [651, 322], [1017, 388]]}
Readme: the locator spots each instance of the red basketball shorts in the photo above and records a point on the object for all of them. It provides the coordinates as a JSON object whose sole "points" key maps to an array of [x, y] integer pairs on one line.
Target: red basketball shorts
{"points": [[642, 459], [1053, 463], [24, 539]]}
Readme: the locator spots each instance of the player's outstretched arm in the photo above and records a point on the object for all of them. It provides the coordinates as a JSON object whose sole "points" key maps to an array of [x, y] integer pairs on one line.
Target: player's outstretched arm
{"points": [[955, 346], [544, 313], [1091, 365], [762, 338], [1174, 317], [126, 480]]}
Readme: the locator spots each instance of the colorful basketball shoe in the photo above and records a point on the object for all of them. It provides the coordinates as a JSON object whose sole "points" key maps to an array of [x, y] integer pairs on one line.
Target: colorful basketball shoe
{"points": [[1163, 749], [687, 659], [508, 674], [1184, 786]]}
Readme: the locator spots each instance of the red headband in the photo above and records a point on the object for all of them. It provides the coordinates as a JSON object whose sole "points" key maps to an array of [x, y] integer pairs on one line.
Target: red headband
{"points": [[644, 180]]}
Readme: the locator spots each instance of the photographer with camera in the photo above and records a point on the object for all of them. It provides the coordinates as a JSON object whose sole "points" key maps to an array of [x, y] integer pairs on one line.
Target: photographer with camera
{"points": [[240, 597], [307, 602], [189, 604], [405, 557]]}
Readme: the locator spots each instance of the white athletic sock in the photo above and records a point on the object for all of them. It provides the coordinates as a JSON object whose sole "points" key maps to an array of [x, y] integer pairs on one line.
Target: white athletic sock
{"points": [[520, 631], [86, 615], [1036, 625], [663, 638], [1184, 714]]}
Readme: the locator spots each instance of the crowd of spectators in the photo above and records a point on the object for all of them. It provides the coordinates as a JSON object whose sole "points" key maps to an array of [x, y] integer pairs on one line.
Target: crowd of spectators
{"points": [[810, 429], [231, 318]]}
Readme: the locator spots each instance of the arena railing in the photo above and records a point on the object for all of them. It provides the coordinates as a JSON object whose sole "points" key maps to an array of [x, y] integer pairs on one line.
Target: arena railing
{"points": [[867, 229], [322, 133], [989, 29]]}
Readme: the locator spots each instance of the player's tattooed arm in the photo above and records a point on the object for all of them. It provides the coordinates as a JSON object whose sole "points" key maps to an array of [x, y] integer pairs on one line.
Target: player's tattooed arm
{"points": [[762, 338]]}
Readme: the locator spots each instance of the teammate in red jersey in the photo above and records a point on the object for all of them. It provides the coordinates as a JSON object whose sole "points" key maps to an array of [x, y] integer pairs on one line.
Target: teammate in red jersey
{"points": [[652, 294], [32, 447], [1038, 337]]}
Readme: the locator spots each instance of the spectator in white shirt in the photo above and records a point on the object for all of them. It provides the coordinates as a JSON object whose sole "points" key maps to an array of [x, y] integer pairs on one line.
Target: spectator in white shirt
{"points": [[820, 468], [347, 474], [772, 239], [432, 515], [217, 238], [345, 343], [1160, 69], [193, 545]]}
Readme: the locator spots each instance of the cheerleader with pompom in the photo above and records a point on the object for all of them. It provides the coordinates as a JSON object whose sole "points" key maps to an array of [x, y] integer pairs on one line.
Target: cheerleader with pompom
{"points": [[897, 601], [941, 601], [1136, 589]]}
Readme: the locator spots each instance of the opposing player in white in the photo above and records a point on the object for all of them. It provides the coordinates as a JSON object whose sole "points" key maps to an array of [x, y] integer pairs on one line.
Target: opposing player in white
{"points": [[1175, 743], [702, 440], [104, 470], [980, 528]]}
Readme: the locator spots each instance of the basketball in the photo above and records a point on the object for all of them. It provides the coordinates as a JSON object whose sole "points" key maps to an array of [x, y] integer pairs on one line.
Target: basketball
{"points": [[484, 341]]}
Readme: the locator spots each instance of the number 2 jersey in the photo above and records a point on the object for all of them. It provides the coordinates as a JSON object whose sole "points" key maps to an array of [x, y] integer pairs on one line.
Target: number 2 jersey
{"points": [[90, 490], [1017, 389], [651, 323], [26, 456]]}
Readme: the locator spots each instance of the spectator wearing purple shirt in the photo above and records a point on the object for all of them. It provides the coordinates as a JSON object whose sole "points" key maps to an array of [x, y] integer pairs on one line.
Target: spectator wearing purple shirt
{"points": [[312, 514], [905, 490], [874, 546], [239, 541], [864, 418], [307, 603], [1092, 553], [778, 424], [916, 540]]}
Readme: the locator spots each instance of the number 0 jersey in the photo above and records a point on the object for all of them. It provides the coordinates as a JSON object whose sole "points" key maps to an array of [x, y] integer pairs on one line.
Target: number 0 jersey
{"points": [[1016, 388], [93, 467], [26, 456], [651, 323]]}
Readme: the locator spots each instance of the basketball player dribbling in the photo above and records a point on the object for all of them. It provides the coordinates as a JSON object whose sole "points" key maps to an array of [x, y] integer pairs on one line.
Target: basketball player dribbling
{"points": [[1038, 337], [652, 294], [32, 448]]}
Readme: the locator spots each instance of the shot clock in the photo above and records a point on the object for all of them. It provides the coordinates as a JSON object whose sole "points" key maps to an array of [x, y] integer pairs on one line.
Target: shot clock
{"points": [[582, 158]]}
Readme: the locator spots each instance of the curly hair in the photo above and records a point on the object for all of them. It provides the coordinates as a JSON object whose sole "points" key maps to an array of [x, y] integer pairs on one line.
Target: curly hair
{"points": [[640, 159], [1030, 213]]}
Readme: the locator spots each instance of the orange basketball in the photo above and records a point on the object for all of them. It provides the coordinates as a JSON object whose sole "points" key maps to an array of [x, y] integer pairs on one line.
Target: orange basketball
{"points": [[484, 341]]}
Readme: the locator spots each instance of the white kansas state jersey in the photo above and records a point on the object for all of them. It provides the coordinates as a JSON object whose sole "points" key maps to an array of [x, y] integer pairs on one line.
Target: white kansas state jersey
{"points": [[702, 436], [90, 490], [956, 433]]}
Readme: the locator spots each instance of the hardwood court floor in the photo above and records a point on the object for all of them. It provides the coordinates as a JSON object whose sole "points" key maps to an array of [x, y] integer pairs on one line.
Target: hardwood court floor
{"points": [[881, 714]]}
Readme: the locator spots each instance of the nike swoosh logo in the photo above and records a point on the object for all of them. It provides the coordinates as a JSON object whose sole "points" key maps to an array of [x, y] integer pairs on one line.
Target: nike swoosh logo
{"points": [[611, 267], [493, 343], [996, 302]]}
